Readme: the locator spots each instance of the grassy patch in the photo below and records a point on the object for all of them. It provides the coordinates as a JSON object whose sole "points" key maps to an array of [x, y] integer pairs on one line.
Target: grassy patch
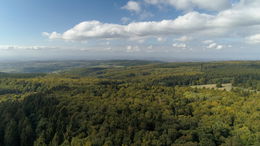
{"points": [[226, 87]]}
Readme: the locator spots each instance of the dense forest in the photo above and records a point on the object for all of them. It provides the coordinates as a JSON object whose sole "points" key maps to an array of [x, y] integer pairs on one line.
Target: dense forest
{"points": [[130, 103]]}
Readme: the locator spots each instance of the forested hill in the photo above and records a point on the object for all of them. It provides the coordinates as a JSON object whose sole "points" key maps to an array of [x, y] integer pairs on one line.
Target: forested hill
{"points": [[131, 103], [56, 66]]}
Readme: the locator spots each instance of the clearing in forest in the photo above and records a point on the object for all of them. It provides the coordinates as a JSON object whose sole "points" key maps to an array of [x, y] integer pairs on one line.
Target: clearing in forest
{"points": [[226, 87]]}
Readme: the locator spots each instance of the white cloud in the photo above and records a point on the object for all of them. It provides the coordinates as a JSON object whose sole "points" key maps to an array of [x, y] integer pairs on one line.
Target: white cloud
{"points": [[254, 39], [53, 35], [184, 39], [139, 40], [84, 49], [90, 29], [161, 39], [150, 49], [131, 49], [94, 29], [215, 46], [132, 6], [18, 47], [179, 45], [219, 47], [245, 14], [212, 45], [207, 41], [45, 34], [214, 5]]}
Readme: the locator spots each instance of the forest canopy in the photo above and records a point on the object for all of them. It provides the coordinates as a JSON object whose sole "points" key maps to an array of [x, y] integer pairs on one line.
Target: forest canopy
{"points": [[132, 103]]}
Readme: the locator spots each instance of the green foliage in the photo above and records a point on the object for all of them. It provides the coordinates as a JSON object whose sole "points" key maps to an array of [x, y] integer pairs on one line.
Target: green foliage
{"points": [[219, 85], [137, 104]]}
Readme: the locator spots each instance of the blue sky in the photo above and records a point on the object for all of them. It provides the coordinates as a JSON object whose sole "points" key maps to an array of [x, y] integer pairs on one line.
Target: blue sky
{"points": [[135, 29], [25, 20]]}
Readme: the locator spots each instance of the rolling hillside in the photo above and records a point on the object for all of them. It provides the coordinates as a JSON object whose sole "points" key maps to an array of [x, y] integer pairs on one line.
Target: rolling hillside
{"points": [[132, 103]]}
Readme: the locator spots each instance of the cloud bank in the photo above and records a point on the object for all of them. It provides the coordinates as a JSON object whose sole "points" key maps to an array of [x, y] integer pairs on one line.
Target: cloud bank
{"points": [[242, 15], [18, 47], [254, 39]]}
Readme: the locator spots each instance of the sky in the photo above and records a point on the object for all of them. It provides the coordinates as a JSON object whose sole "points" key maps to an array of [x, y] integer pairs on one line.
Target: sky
{"points": [[170, 30]]}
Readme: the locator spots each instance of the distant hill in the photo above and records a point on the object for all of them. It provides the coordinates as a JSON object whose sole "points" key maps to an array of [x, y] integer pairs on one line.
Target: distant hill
{"points": [[56, 66]]}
